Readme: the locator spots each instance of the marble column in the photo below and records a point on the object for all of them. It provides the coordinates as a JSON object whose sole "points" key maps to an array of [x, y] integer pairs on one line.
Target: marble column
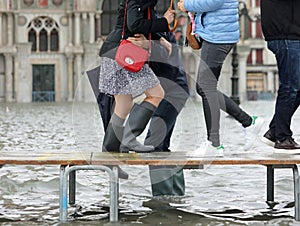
{"points": [[70, 77], [243, 52], [24, 84], [1, 33], [78, 85], [84, 28], [8, 77], [98, 25], [70, 29], [91, 60], [10, 29], [271, 81], [92, 27], [77, 29]]}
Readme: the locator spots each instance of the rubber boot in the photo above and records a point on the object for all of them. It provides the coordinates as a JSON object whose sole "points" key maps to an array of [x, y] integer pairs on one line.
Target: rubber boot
{"points": [[167, 180], [113, 134], [112, 140], [135, 125]]}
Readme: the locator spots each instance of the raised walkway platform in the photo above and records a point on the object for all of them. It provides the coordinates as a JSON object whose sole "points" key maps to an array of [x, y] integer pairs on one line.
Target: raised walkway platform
{"points": [[70, 162]]}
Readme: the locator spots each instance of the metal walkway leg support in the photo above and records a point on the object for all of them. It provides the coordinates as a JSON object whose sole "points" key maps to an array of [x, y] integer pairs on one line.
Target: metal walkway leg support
{"points": [[72, 187], [270, 183], [113, 189], [296, 192], [62, 171]]}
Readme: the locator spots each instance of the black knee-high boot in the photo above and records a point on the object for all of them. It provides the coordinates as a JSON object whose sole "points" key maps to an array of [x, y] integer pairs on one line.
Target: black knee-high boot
{"points": [[112, 139], [136, 123]]}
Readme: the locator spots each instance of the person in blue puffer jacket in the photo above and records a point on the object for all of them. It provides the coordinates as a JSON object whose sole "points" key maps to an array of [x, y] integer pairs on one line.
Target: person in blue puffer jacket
{"points": [[216, 20], [217, 26]]}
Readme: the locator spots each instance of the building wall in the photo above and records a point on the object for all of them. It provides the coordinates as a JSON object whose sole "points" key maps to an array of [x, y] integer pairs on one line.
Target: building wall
{"points": [[79, 26], [262, 75], [78, 47]]}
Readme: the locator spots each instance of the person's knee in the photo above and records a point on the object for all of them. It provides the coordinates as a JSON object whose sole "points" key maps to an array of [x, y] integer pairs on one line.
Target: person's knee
{"points": [[288, 90], [160, 93], [155, 95]]}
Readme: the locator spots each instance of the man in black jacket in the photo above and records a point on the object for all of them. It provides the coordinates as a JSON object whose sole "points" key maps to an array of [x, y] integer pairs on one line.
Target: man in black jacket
{"points": [[167, 64], [281, 28]]}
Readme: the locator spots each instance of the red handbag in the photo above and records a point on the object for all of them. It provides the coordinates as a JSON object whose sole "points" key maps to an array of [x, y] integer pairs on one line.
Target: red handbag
{"points": [[130, 56]]}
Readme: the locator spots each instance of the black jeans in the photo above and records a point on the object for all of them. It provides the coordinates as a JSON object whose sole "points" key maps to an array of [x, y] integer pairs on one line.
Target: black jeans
{"points": [[211, 61], [164, 118], [166, 180]]}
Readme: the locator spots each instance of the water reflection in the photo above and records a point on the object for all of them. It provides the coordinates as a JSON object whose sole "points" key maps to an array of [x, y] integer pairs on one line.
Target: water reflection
{"points": [[217, 195]]}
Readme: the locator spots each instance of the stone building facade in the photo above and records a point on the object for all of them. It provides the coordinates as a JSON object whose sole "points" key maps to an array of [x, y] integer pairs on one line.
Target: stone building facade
{"points": [[47, 45]]}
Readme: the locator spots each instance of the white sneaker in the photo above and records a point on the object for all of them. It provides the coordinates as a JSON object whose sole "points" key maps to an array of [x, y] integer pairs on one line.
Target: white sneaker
{"points": [[252, 132], [207, 150]]}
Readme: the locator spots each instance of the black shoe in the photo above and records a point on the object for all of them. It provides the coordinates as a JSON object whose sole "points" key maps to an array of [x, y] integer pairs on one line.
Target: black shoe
{"points": [[268, 138], [288, 146]]}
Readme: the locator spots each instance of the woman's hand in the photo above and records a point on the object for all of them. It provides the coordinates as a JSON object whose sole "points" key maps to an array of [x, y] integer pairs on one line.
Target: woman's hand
{"points": [[139, 40], [180, 5], [170, 15]]}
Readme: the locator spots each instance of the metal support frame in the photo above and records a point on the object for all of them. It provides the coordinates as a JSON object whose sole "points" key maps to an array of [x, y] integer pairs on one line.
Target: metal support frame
{"points": [[62, 171], [296, 192], [113, 189], [69, 175], [270, 183], [296, 177], [72, 187]]}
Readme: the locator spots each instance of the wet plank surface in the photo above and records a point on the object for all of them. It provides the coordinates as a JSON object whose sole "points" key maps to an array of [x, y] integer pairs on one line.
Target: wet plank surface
{"points": [[174, 158]]}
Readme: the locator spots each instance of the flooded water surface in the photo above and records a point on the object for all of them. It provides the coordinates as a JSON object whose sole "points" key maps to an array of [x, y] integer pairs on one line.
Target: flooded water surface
{"points": [[215, 195]]}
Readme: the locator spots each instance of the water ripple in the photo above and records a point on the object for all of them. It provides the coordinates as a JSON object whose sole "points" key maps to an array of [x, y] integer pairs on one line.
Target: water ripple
{"points": [[217, 195]]}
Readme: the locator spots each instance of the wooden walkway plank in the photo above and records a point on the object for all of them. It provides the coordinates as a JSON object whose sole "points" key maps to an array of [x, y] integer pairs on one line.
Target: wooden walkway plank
{"points": [[156, 158], [71, 161]]}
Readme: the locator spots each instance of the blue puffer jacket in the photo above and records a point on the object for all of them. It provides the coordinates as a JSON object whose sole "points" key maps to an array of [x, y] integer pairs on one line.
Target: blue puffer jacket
{"points": [[216, 20]]}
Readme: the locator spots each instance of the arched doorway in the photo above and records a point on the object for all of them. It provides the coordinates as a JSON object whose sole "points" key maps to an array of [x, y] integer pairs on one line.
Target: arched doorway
{"points": [[43, 84]]}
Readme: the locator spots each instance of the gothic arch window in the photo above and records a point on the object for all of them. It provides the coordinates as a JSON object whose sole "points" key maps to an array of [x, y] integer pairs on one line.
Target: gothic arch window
{"points": [[43, 40], [32, 39], [110, 13], [43, 33], [54, 40]]}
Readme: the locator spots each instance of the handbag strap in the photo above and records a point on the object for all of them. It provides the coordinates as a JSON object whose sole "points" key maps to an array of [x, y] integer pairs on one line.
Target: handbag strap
{"points": [[124, 19], [124, 24]]}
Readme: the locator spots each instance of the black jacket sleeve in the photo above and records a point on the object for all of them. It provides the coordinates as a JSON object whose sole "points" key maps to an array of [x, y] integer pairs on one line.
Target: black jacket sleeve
{"points": [[137, 22]]}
